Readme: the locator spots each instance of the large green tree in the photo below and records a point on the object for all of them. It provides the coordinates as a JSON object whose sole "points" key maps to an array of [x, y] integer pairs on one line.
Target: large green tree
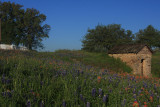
{"points": [[33, 28], [103, 38], [22, 26], [10, 14], [149, 36]]}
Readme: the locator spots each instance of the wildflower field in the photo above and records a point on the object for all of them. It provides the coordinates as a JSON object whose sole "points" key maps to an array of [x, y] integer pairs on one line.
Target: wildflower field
{"points": [[72, 79]]}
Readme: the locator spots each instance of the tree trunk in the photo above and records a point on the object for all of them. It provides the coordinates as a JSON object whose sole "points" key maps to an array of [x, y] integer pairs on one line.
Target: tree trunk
{"points": [[30, 46]]}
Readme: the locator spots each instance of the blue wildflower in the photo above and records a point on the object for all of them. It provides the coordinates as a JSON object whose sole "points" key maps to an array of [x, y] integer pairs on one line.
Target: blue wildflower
{"points": [[134, 91], [9, 94], [81, 97], [105, 98], [64, 103], [28, 103], [124, 102], [42, 103], [100, 92], [88, 104], [134, 96], [93, 92]]}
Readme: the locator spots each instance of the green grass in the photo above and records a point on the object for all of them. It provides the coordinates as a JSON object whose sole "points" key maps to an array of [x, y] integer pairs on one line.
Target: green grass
{"points": [[69, 77], [156, 64], [100, 60]]}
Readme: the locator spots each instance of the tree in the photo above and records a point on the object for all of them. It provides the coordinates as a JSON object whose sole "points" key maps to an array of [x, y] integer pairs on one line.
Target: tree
{"points": [[149, 36], [103, 38], [23, 27], [10, 14], [34, 31]]}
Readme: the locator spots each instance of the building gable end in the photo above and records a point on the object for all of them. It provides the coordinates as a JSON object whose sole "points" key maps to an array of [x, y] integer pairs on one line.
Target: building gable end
{"points": [[145, 50]]}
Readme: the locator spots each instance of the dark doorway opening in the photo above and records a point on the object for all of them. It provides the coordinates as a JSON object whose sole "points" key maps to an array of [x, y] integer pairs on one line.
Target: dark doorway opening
{"points": [[142, 66]]}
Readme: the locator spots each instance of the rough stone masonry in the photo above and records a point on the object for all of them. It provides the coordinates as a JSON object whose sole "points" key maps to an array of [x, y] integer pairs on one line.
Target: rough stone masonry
{"points": [[137, 56]]}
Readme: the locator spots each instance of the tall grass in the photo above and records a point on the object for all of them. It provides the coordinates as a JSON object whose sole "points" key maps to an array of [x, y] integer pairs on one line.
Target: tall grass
{"points": [[155, 64], [38, 79]]}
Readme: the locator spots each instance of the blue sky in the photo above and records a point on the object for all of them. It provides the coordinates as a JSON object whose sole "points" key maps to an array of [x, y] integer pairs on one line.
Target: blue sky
{"points": [[70, 19]]}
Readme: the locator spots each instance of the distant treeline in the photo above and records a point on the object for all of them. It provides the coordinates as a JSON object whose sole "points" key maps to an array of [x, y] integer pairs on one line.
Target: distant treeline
{"points": [[22, 26], [103, 38]]}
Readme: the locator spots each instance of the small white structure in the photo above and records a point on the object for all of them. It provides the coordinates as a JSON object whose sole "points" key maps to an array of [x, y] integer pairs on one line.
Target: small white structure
{"points": [[12, 47], [23, 48], [7, 47]]}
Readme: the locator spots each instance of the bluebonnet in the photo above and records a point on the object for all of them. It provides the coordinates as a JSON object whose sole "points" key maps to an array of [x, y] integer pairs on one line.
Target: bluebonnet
{"points": [[42, 104], [110, 90], [3, 94], [139, 92], [145, 85], [155, 87], [41, 83], [82, 72], [28, 103], [64, 73], [88, 104], [134, 91], [134, 96], [124, 102], [9, 94], [78, 72], [8, 81], [3, 79], [93, 92], [100, 92], [64, 103], [81, 97], [105, 98]]}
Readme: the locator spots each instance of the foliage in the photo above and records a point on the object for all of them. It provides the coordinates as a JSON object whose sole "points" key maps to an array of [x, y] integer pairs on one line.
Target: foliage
{"points": [[149, 36], [103, 38], [20, 26], [11, 15], [40, 79]]}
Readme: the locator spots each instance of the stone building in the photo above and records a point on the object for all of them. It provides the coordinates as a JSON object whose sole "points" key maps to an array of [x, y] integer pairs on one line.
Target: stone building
{"points": [[137, 56]]}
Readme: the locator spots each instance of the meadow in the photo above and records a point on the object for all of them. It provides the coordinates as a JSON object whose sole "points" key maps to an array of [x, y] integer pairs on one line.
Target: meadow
{"points": [[74, 79]]}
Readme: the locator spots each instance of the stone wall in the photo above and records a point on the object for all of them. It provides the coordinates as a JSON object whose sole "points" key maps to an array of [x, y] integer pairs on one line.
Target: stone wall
{"points": [[140, 62], [146, 55], [145, 51]]}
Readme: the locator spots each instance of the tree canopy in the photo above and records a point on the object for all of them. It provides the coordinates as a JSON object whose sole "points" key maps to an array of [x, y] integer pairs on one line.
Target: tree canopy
{"points": [[149, 36], [22, 26], [103, 38]]}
